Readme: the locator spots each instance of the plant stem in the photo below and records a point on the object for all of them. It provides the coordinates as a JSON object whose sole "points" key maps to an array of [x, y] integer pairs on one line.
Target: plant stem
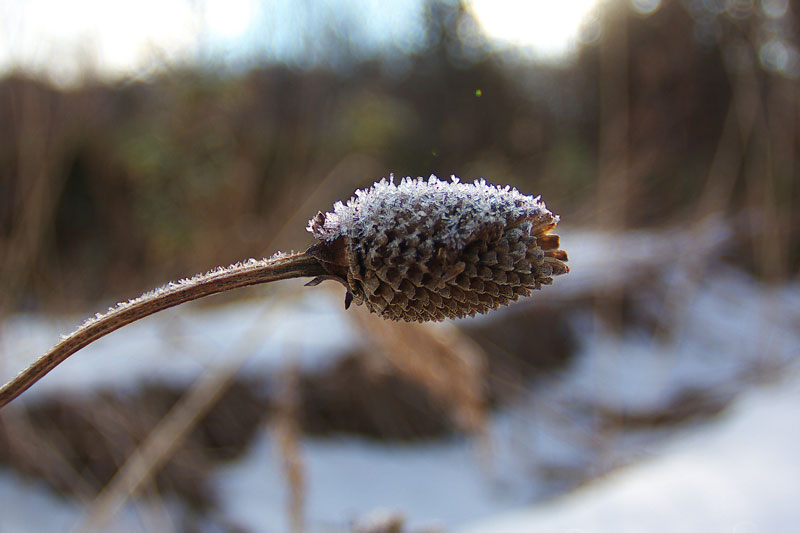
{"points": [[252, 272]]}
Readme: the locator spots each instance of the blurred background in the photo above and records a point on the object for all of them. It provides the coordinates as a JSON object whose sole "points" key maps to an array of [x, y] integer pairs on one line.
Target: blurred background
{"points": [[142, 142]]}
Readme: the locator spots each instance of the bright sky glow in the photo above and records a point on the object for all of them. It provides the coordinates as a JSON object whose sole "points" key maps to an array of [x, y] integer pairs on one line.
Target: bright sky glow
{"points": [[544, 28], [66, 41], [229, 19]]}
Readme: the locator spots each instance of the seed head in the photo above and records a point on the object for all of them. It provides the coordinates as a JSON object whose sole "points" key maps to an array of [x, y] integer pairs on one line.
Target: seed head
{"points": [[430, 250]]}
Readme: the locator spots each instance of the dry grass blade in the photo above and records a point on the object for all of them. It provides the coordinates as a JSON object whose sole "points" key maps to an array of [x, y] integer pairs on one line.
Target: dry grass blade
{"points": [[449, 365], [288, 436], [166, 438], [162, 443]]}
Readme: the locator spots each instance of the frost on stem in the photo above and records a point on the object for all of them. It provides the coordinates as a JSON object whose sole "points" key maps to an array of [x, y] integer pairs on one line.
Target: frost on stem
{"points": [[177, 287], [429, 250], [250, 272]]}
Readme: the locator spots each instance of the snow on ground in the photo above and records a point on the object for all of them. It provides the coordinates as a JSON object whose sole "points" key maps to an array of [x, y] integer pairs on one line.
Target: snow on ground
{"points": [[433, 484], [739, 472], [736, 332], [28, 506]]}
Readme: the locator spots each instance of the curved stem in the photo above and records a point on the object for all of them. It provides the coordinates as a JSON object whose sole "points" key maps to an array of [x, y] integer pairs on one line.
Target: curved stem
{"points": [[252, 272]]}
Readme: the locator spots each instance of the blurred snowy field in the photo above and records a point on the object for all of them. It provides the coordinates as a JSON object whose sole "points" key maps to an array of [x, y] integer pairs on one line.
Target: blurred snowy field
{"points": [[740, 473], [560, 458]]}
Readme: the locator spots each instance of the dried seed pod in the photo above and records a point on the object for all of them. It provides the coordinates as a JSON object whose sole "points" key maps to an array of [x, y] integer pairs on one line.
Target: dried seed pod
{"points": [[430, 250], [416, 251]]}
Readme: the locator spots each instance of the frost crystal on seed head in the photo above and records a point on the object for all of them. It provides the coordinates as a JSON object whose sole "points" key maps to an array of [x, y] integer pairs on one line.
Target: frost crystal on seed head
{"points": [[460, 209], [426, 250]]}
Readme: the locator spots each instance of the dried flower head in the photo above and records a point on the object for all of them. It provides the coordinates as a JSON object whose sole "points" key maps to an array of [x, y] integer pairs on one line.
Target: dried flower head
{"points": [[429, 250], [417, 251]]}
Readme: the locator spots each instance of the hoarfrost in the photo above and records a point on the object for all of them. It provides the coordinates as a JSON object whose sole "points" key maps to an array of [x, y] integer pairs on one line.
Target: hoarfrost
{"points": [[461, 209]]}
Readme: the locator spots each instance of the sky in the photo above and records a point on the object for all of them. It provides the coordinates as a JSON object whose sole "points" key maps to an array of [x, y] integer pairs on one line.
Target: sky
{"points": [[67, 41]]}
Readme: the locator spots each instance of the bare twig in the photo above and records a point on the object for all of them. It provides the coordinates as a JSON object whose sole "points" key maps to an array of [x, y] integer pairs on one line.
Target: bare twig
{"points": [[252, 272]]}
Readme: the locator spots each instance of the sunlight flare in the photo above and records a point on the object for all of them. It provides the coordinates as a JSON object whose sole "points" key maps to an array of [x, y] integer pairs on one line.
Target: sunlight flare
{"points": [[542, 27]]}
